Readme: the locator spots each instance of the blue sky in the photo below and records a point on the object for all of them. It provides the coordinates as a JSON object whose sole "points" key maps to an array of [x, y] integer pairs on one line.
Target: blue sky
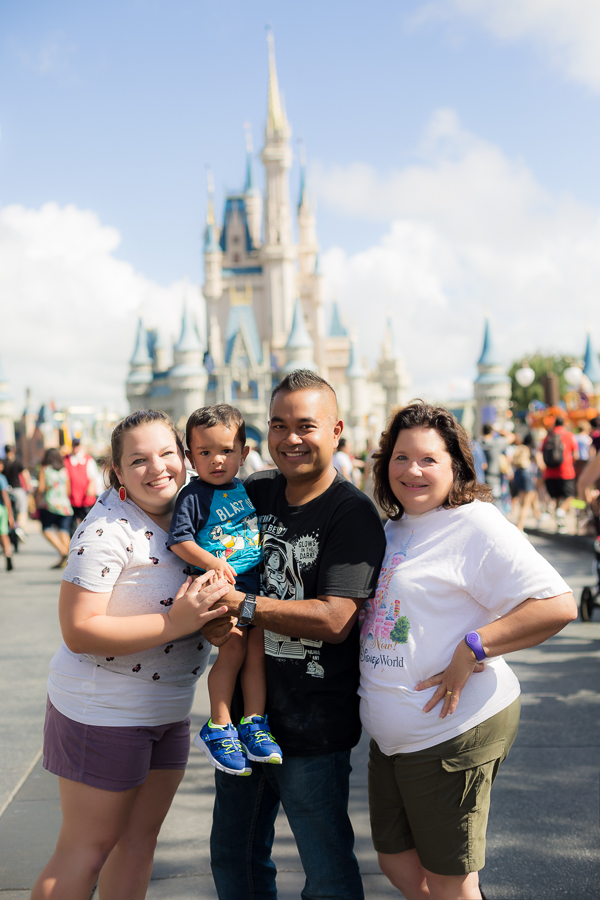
{"points": [[110, 113]]}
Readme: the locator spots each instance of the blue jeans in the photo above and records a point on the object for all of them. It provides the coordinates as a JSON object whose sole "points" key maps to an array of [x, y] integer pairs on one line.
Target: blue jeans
{"points": [[314, 793]]}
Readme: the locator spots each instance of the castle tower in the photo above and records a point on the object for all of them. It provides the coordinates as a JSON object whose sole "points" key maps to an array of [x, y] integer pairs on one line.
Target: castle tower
{"points": [[591, 366], [252, 195], [358, 407], [299, 347], [310, 280], [188, 378], [308, 246], [391, 371], [278, 254], [7, 412], [213, 278], [492, 385], [140, 371]]}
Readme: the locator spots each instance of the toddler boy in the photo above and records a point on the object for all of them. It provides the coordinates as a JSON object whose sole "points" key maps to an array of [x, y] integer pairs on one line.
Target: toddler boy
{"points": [[214, 526]]}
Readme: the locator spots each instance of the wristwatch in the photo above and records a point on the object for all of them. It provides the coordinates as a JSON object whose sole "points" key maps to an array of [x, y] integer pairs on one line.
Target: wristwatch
{"points": [[473, 641], [248, 609]]}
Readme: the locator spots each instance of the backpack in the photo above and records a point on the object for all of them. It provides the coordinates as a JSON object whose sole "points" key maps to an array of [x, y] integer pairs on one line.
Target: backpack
{"points": [[554, 451]]}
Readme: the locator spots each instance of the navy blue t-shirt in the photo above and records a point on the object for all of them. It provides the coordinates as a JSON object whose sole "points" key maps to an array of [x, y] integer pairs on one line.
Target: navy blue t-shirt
{"points": [[221, 520]]}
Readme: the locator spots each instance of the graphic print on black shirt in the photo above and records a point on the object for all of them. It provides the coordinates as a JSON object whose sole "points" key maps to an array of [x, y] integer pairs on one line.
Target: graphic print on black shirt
{"points": [[331, 546]]}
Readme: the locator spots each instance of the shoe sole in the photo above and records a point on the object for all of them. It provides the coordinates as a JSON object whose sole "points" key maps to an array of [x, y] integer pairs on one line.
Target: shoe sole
{"points": [[274, 758], [201, 745]]}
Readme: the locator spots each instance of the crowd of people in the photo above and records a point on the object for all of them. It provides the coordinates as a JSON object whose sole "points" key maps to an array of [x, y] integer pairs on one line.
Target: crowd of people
{"points": [[538, 475], [326, 622]]}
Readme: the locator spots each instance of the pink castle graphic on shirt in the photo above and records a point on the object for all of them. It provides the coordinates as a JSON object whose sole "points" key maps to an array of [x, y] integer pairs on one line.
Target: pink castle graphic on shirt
{"points": [[380, 615]]}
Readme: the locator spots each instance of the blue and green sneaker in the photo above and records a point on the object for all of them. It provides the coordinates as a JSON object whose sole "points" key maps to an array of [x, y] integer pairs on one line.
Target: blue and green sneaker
{"points": [[223, 748], [257, 740]]}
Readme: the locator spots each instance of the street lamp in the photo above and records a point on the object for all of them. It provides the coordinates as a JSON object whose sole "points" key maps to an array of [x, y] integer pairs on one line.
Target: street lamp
{"points": [[525, 375], [574, 377]]}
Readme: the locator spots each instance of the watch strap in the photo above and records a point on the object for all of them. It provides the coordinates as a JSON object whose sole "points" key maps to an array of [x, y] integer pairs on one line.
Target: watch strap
{"points": [[248, 609], [473, 641]]}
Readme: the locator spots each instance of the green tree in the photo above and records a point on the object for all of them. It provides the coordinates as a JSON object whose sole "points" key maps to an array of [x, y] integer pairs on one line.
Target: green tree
{"points": [[399, 633], [540, 363]]}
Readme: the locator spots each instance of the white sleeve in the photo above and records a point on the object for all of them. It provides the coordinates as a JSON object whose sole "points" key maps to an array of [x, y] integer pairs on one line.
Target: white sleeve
{"points": [[97, 556], [512, 571]]}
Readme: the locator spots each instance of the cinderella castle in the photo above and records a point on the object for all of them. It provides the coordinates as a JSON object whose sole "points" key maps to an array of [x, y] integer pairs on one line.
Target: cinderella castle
{"points": [[265, 311]]}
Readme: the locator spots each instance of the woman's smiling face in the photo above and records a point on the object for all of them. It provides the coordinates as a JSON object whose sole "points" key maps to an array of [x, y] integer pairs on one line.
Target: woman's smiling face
{"points": [[420, 470], [152, 467]]}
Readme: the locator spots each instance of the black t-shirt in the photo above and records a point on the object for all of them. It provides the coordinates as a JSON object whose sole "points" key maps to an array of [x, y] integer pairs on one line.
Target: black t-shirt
{"points": [[330, 546], [12, 470]]}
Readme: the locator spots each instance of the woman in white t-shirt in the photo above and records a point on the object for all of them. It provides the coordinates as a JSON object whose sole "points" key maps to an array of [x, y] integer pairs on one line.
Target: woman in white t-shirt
{"points": [[121, 685], [459, 586]]}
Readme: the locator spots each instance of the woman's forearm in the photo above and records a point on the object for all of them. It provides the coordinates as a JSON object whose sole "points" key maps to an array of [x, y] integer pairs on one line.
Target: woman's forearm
{"points": [[530, 623], [104, 635]]}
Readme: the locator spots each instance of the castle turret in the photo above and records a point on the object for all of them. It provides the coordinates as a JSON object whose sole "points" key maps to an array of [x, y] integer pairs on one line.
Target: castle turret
{"points": [[140, 371], [392, 372], [492, 385], [188, 378], [299, 348], [252, 195], [591, 366], [358, 409], [308, 246], [278, 253]]}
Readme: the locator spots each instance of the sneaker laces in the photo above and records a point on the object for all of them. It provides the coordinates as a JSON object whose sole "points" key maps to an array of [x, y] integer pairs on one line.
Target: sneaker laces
{"points": [[230, 745], [261, 736]]}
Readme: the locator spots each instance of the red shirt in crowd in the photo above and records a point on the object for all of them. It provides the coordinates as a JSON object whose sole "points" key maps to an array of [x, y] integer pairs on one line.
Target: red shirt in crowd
{"points": [[566, 470]]}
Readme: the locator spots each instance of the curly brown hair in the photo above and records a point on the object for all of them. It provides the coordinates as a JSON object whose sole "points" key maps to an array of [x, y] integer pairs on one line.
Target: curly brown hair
{"points": [[465, 487], [130, 423]]}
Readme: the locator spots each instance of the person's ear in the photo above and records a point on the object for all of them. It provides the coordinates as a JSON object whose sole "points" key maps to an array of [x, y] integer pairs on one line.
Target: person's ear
{"points": [[337, 433], [244, 455], [190, 460]]}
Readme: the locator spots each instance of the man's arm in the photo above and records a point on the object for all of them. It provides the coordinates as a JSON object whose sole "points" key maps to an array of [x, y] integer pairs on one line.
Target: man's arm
{"points": [[323, 619]]}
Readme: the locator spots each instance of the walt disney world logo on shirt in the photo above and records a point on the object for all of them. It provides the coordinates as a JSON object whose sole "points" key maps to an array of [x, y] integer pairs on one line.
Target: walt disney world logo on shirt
{"points": [[382, 625]]}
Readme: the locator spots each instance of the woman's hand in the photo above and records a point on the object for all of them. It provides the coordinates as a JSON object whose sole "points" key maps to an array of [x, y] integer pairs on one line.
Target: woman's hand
{"points": [[451, 681], [196, 604]]}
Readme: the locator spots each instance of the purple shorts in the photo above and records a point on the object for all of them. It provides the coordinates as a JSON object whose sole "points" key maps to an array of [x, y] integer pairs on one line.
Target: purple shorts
{"points": [[112, 759]]}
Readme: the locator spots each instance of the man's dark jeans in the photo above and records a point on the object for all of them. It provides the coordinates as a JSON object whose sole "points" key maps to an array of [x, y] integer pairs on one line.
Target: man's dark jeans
{"points": [[314, 793]]}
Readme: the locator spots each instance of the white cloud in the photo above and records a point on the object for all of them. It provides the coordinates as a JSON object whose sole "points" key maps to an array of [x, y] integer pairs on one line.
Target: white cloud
{"points": [[470, 232], [568, 31], [70, 307]]}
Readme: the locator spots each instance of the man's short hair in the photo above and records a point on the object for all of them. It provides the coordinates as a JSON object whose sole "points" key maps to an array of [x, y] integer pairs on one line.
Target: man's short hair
{"points": [[487, 429], [302, 380], [342, 443], [559, 420], [8, 448], [220, 414]]}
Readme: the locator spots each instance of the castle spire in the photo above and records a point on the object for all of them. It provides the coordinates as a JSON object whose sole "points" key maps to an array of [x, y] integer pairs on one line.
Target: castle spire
{"points": [[591, 364], [211, 243], [276, 118]]}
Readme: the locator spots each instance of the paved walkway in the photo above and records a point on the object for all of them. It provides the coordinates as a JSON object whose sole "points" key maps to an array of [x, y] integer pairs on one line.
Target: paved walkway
{"points": [[543, 834]]}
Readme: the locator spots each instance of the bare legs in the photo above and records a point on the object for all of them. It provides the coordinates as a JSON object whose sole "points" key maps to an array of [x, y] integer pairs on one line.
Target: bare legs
{"points": [[107, 833], [60, 540], [243, 649], [406, 873]]}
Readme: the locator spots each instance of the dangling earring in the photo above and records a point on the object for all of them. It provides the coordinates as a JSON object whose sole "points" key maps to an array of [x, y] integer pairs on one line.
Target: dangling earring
{"points": [[122, 494]]}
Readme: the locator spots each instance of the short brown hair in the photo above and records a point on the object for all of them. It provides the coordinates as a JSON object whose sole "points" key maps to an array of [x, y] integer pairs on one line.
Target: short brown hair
{"points": [[220, 414], [418, 414], [302, 380], [130, 423]]}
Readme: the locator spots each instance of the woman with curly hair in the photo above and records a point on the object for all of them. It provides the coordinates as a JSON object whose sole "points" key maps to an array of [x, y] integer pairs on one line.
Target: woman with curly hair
{"points": [[459, 587]]}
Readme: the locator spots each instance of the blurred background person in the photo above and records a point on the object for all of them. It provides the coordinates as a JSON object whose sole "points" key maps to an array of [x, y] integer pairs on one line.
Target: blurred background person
{"points": [[254, 461], [83, 478], [52, 497], [559, 452], [6, 518], [19, 483], [523, 484]]}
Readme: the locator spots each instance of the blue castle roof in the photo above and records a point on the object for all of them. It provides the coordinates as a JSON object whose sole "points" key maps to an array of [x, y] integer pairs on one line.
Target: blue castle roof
{"points": [[235, 204], [489, 354], [188, 339], [299, 337], [141, 355], [591, 363], [241, 319], [336, 329]]}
